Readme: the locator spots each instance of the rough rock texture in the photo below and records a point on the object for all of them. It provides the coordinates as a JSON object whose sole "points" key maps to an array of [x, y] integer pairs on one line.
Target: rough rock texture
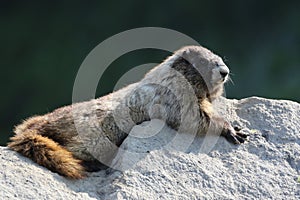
{"points": [[161, 164]]}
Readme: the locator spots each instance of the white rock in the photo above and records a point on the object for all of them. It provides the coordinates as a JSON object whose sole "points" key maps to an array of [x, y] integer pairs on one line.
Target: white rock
{"points": [[265, 167]]}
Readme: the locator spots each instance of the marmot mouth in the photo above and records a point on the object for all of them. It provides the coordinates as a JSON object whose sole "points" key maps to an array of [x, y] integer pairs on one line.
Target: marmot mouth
{"points": [[222, 80], [225, 79]]}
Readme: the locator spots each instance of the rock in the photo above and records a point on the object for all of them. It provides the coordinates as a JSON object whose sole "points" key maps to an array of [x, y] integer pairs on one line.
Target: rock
{"points": [[167, 165]]}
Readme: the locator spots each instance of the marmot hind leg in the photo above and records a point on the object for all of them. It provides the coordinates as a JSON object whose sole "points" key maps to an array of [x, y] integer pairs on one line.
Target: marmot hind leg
{"points": [[47, 153]]}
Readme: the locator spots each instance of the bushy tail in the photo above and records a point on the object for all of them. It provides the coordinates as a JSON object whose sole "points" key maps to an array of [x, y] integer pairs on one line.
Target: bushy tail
{"points": [[47, 153]]}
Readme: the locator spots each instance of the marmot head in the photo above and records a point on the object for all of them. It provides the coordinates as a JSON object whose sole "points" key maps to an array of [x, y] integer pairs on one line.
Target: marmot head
{"points": [[195, 61], [205, 71], [210, 65]]}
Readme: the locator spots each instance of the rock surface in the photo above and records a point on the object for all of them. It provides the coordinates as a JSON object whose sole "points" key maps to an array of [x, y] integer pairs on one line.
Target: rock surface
{"points": [[166, 166]]}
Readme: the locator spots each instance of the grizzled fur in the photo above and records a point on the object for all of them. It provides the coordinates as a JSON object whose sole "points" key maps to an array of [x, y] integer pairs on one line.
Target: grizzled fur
{"points": [[73, 139]]}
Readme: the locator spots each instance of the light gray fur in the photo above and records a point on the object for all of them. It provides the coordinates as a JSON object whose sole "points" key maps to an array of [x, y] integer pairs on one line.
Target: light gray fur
{"points": [[164, 93]]}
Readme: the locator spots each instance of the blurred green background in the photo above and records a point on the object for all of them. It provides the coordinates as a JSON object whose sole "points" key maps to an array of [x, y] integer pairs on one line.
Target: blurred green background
{"points": [[43, 44]]}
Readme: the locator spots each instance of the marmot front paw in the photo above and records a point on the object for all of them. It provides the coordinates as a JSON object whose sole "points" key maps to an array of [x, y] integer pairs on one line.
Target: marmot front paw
{"points": [[234, 135]]}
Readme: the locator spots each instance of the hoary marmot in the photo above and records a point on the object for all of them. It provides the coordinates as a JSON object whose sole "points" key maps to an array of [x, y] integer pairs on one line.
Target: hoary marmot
{"points": [[77, 138]]}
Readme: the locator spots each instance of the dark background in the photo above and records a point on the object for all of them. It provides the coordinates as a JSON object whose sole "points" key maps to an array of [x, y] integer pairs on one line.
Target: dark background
{"points": [[43, 44]]}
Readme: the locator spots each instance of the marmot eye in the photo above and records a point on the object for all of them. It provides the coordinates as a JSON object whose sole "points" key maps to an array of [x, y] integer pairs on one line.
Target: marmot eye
{"points": [[218, 64]]}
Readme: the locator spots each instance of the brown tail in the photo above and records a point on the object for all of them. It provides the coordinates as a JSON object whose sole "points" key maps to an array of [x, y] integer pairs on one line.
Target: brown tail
{"points": [[47, 153]]}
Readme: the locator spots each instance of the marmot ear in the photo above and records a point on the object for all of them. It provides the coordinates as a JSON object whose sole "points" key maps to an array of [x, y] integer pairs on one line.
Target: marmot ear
{"points": [[186, 55]]}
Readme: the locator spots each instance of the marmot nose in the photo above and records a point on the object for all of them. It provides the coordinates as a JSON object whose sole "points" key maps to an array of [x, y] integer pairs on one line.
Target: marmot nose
{"points": [[223, 73]]}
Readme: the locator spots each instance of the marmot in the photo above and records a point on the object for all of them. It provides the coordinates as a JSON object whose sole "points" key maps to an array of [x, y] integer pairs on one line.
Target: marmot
{"points": [[73, 139]]}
